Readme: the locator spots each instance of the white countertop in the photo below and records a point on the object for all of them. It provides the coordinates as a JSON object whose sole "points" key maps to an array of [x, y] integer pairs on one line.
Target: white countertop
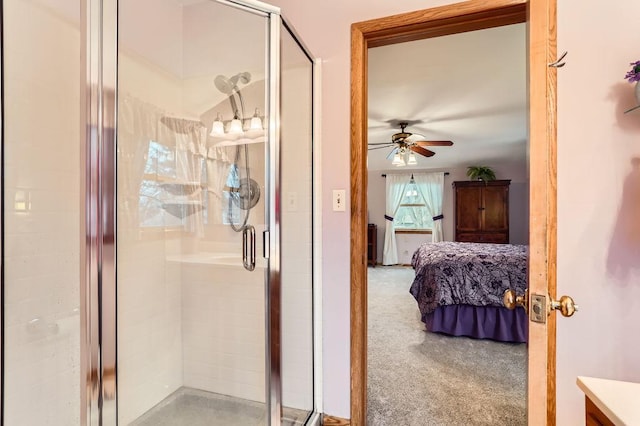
{"points": [[619, 401]]}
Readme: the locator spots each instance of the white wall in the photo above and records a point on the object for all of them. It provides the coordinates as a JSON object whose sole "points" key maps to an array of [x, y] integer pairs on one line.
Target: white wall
{"points": [[596, 143], [41, 182], [407, 244], [598, 198]]}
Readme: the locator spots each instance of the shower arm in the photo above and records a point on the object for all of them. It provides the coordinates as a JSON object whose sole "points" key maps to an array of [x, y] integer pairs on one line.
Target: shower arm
{"points": [[234, 104], [234, 108]]}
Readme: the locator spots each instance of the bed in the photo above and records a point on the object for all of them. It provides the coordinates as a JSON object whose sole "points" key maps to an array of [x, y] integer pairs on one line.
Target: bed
{"points": [[459, 289]]}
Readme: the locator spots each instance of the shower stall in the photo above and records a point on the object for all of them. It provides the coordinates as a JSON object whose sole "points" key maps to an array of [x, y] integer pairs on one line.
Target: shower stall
{"points": [[158, 232]]}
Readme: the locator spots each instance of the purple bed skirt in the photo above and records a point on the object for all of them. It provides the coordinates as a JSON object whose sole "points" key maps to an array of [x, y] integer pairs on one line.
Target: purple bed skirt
{"points": [[481, 322]]}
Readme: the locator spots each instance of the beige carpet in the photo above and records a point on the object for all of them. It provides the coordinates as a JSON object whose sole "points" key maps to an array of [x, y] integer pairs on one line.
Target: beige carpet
{"points": [[421, 378]]}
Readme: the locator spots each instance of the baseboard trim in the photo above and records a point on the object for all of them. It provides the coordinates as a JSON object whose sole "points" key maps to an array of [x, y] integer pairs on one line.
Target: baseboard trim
{"points": [[334, 421]]}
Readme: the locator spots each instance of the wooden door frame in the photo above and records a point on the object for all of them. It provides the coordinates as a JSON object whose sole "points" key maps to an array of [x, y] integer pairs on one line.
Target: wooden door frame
{"points": [[540, 16]]}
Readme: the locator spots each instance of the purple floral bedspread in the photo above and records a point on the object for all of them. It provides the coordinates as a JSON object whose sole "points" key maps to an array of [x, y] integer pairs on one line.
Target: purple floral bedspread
{"points": [[450, 273]]}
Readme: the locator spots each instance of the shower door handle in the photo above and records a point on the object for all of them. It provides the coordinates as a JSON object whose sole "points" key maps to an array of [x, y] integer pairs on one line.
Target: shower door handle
{"points": [[249, 248]]}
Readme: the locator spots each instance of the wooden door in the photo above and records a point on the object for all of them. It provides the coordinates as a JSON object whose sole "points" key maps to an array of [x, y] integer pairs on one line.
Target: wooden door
{"points": [[468, 209], [495, 208], [445, 20]]}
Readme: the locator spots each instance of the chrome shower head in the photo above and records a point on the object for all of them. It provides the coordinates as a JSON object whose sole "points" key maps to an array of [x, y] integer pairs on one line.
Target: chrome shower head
{"points": [[243, 77], [224, 85], [230, 85]]}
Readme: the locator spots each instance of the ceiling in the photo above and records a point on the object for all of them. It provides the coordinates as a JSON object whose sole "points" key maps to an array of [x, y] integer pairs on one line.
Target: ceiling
{"points": [[469, 88]]}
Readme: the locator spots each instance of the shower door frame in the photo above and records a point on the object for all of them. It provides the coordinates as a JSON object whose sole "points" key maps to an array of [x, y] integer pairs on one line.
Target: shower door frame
{"points": [[98, 355], [99, 50]]}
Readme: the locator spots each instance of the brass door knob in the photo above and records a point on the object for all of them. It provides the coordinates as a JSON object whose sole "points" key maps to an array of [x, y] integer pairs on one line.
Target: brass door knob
{"points": [[565, 305], [511, 300]]}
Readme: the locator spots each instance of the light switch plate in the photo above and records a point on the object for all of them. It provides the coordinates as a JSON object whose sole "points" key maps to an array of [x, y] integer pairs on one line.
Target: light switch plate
{"points": [[292, 201], [339, 200]]}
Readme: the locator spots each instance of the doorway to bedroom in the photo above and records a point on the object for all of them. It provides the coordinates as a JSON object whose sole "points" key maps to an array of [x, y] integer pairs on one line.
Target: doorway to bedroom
{"points": [[439, 333], [541, 120]]}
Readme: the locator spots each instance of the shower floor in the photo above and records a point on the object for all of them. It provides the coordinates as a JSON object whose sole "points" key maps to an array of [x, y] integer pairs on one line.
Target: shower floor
{"points": [[193, 407]]}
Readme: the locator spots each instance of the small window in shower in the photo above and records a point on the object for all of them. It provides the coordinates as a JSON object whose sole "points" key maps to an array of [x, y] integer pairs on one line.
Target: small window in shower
{"points": [[230, 210], [171, 189]]}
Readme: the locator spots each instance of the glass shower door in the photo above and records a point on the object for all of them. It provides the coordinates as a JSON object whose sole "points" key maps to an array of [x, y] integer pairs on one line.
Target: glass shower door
{"points": [[152, 301], [296, 217], [41, 178], [191, 208]]}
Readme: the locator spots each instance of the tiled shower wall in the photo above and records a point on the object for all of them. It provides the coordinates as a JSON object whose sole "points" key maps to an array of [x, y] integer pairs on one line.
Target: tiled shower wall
{"points": [[149, 326], [223, 330], [42, 109], [149, 288]]}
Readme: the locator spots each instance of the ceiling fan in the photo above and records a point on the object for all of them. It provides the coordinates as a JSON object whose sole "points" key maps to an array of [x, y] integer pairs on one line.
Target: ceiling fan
{"points": [[405, 144]]}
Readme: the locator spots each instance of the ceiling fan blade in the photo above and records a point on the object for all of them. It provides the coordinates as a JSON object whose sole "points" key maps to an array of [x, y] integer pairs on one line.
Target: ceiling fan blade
{"points": [[422, 151], [434, 143], [381, 143], [393, 151], [379, 147]]}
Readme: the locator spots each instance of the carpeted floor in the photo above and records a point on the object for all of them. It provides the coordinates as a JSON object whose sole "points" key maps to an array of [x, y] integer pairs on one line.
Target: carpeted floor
{"points": [[417, 378]]}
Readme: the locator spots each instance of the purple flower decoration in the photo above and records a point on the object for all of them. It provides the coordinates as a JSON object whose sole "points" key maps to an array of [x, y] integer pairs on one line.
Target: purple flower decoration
{"points": [[634, 74]]}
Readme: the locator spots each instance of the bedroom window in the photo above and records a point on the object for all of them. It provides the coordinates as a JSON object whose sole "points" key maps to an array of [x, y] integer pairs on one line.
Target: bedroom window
{"points": [[413, 213]]}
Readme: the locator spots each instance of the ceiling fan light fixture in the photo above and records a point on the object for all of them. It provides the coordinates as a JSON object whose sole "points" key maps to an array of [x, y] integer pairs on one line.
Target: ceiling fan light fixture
{"points": [[412, 159], [406, 146], [398, 161]]}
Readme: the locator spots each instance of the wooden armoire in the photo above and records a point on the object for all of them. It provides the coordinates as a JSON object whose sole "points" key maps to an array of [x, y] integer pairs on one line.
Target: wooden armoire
{"points": [[482, 211]]}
